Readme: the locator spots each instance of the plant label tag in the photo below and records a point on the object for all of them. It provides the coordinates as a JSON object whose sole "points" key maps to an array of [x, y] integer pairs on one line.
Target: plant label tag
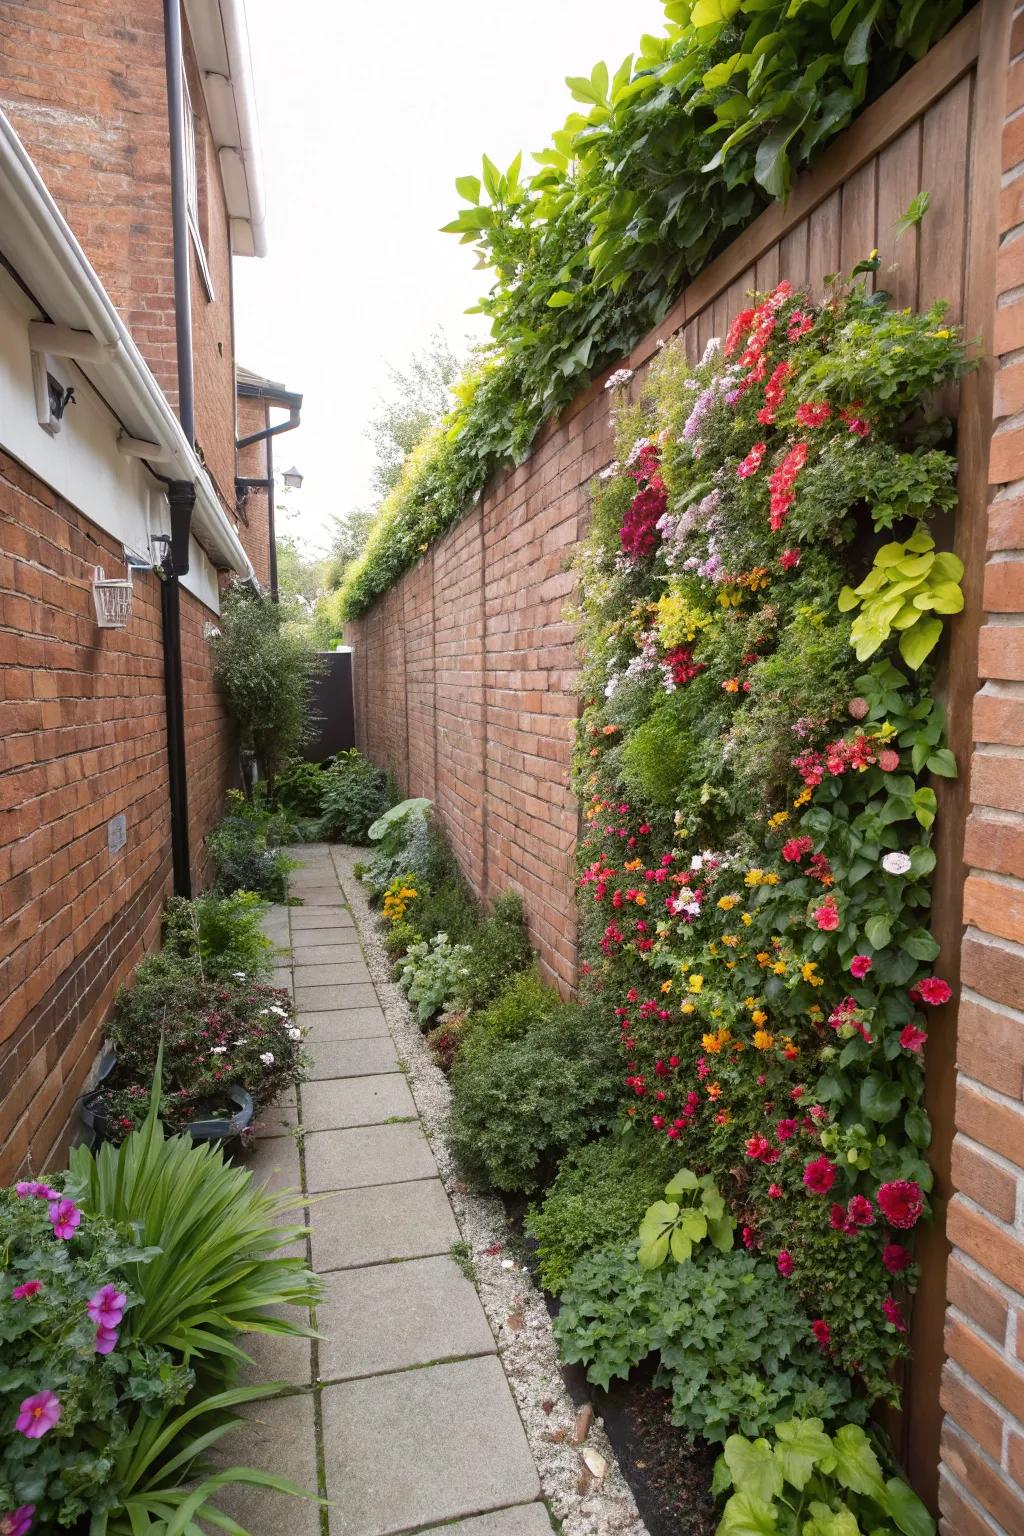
{"points": [[117, 833]]}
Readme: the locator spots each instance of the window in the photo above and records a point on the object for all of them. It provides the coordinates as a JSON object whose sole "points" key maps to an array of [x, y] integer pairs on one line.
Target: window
{"points": [[192, 184]]}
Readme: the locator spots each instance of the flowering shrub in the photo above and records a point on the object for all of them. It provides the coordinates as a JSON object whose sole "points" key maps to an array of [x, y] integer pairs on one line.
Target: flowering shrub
{"points": [[754, 768], [397, 898], [71, 1385]]}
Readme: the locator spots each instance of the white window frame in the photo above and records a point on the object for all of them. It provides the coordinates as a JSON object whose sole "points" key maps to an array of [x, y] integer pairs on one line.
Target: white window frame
{"points": [[192, 185]]}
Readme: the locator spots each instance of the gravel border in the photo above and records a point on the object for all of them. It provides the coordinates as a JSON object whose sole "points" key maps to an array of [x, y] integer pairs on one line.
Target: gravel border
{"points": [[584, 1504]]}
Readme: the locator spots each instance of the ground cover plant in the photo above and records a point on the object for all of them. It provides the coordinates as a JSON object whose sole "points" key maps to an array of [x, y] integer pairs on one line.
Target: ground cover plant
{"points": [[666, 160], [247, 848], [761, 609]]}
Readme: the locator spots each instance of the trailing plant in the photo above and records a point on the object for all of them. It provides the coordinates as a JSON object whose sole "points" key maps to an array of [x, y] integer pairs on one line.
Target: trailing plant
{"points": [[265, 671], [664, 161], [692, 1211], [804, 1482], [353, 796], [731, 1340]]}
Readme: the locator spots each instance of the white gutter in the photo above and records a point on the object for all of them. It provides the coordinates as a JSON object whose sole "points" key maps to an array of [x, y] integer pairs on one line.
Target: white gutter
{"points": [[39, 244], [236, 35]]}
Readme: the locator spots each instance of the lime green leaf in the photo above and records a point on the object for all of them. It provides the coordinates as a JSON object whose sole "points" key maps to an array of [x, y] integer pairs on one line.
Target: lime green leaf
{"points": [[560, 299], [904, 1507], [680, 1246], [468, 187], [707, 12], [857, 1466], [684, 1180], [917, 644], [747, 1515], [754, 1467], [801, 1445], [653, 1254]]}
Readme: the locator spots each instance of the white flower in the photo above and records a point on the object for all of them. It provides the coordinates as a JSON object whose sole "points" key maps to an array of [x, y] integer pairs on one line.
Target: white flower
{"points": [[238, 975], [218, 1050], [896, 863], [267, 1058], [712, 349], [609, 470], [294, 1034], [620, 376], [282, 1013]]}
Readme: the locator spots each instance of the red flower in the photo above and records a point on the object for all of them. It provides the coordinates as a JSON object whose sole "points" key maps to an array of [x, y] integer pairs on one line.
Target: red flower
{"points": [[932, 990], [901, 1203], [827, 918], [894, 1313], [752, 463], [737, 330], [784, 1263], [820, 1175], [789, 558], [860, 1211], [896, 1258], [758, 1147], [775, 1191], [837, 1218], [822, 1332], [799, 324], [813, 414], [785, 1129], [859, 966], [794, 850], [912, 1038]]}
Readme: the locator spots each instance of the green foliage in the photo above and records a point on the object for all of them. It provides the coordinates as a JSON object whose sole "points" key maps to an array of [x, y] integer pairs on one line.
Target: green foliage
{"points": [[432, 974], [734, 1346], [265, 672], [669, 158], [398, 938], [906, 587], [246, 851], [353, 796], [692, 1211], [499, 947], [596, 1199], [222, 932], [519, 1106], [804, 1482], [298, 787], [393, 828]]}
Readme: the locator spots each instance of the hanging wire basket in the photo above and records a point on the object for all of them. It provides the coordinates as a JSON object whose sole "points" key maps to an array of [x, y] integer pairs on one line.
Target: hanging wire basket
{"points": [[113, 599]]}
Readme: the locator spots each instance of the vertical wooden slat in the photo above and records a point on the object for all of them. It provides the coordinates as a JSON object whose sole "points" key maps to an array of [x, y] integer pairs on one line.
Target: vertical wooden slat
{"points": [[857, 237], [767, 272], [705, 329], [823, 243], [793, 256], [899, 182], [945, 133]]}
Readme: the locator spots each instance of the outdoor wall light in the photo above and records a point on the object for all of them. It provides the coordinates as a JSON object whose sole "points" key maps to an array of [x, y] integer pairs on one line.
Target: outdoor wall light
{"points": [[113, 599], [293, 478]]}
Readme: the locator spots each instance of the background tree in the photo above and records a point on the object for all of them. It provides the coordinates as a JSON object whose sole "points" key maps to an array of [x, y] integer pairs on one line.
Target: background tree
{"points": [[416, 400]]}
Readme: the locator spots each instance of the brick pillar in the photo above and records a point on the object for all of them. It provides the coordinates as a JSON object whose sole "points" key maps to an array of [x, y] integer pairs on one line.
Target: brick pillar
{"points": [[982, 1471]]}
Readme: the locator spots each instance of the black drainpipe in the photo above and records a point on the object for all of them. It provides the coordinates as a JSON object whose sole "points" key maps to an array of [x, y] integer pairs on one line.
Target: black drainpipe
{"points": [[181, 493], [267, 435]]}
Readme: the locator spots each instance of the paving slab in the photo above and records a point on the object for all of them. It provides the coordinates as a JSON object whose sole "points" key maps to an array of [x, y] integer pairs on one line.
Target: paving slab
{"points": [[342, 947], [423, 1446], [343, 1023], [277, 1436], [279, 1356], [370, 1154], [321, 920], [393, 1316], [281, 976], [522, 1520], [274, 1160], [277, 1120], [380, 1223], [320, 895], [343, 971], [334, 1103], [361, 1057], [345, 994]]}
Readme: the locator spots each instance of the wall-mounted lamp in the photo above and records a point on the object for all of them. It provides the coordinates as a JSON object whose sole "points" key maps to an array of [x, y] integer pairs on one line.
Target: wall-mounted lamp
{"points": [[293, 478], [112, 598]]}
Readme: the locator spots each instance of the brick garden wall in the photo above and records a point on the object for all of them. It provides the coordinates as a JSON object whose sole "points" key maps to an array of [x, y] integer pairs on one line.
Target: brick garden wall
{"points": [[82, 738]]}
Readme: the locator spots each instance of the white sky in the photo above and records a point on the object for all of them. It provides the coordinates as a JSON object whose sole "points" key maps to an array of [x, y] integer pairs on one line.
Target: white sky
{"points": [[369, 110]]}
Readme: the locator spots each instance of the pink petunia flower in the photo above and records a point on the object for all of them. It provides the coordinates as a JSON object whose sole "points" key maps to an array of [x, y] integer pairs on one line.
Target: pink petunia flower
{"points": [[106, 1308], [912, 1038], [65, 1218], [822, 1332], [786, 1129], [106, 1339], [827, 918], [784, 1263], [29, 1289], [860, 1211], [819, 1175], [859, 966], [775, 1191], [932, 990], [38, 1414], [18, 1521]]}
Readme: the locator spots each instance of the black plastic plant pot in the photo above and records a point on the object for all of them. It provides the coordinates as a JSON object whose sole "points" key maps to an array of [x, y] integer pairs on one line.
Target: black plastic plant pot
{"points": [[222, 1128]]}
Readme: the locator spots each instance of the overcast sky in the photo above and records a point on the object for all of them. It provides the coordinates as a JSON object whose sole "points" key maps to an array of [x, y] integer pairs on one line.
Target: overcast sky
{"points": [[368, 112]]}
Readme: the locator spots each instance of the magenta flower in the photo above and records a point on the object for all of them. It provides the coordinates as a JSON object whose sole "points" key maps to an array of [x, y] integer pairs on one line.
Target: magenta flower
{"points": [[912, 1038], [859, 966], [820, 1175], [106, 1340], [861, 1211], [822, 1332], [896, 1258], [784, 1263], [29, 1289], [32, 1187], [65, 1217], [106, 1308], [901, 1203], [894, 1314], [18, 1521], [38, 1414]]}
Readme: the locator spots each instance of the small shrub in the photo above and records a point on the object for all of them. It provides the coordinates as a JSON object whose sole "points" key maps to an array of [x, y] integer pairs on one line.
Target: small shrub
{"points": [[517, 1108], [265, 671], [597, 1199], [298, 788], [524, 1005], [246, 853], [353, 797], [221, 932], [736, 1349], [432, 973], [398, 939], [444, 1040], [499, 948]]}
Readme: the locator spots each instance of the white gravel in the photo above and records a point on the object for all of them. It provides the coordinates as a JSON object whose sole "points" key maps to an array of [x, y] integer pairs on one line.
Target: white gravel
{"points": [[583, 1504]]}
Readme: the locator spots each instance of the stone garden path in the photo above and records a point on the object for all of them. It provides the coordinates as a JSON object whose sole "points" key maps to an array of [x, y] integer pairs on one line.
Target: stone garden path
{"points": [[399, 1412]]}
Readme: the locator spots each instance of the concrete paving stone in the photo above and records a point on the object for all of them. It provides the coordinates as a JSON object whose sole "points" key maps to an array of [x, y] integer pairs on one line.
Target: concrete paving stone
{"points": [[274, 1162], [353, 1058], [281, 976], [278, 1437], [393, 1316], [377, 1224], [343, 1023], [341, 972], [349, 994], [369, 1154], [277, 1120], [522, 1520], [315, 919], [335, 1103], [423, 1446], [279, 1356], [343, 947], [320, 896]]}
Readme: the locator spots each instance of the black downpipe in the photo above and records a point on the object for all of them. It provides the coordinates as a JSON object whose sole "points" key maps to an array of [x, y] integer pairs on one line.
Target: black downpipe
{"points": [[181, 494], [270, 519]]}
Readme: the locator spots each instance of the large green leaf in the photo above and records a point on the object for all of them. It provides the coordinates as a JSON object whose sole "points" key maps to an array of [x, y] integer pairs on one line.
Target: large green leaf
{"points": [[747, 1515], [801, 1446], [754, 1467], [857, 1467]]}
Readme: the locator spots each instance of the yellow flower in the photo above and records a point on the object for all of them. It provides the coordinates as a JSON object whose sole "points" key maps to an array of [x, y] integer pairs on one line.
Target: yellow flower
{"points": [[803, 797], [695, 983], [763, 1041], [746, 919], [666, 986], [749, 1002], [686, 1008], [713, 1091], [640, 899], [730, 939], [632, 864], [771, 879], [759, 1017], [779, 968], [753, 877], [727, 902], [762, 957], [711, 1043], [778, 819]]}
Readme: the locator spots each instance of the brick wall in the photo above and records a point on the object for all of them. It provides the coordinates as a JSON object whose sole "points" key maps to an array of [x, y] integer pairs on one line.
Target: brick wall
{"points": [[254, 529], [982, 1474], [82, 739]]}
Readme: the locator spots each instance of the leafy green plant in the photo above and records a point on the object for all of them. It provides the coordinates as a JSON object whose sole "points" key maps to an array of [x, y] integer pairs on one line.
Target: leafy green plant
{"points": [[499, 947], [523, 1005], [691, 1211], [734, 1347], [246, 852], [908, 584], [804, 1482], [298, 787], [353, 796], [432, 973], [265, 671], [222, 932], [597, 1197]]}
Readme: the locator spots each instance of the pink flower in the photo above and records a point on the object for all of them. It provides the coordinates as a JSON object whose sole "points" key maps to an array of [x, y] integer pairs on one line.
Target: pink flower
{"points": [[860, 1211], [789, 558], [29, 1289], [820, 1175], [38, 1414], [106, 1339], [18, 1522], [785, 1129], [775, 1191], [901, 1203], [896, 1258], [822, 1332], [888, 760], [784, 1263], [827, 918], [752, 463], [65, 1217], [813, 414], [932, 990], [34, 1188], [894, 1313], [912, 1038], [106, 1308], [794, 850], [859, 966], [837, 1218]]}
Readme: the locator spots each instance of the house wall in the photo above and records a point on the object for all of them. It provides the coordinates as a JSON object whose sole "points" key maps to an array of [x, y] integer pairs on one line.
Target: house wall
{"points": [[493, 690], [254, 525]]}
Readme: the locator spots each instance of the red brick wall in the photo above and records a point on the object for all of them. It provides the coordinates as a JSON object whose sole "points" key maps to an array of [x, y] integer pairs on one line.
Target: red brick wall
{"points": [[254, 527], [982, 1475], [82, 738]]}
